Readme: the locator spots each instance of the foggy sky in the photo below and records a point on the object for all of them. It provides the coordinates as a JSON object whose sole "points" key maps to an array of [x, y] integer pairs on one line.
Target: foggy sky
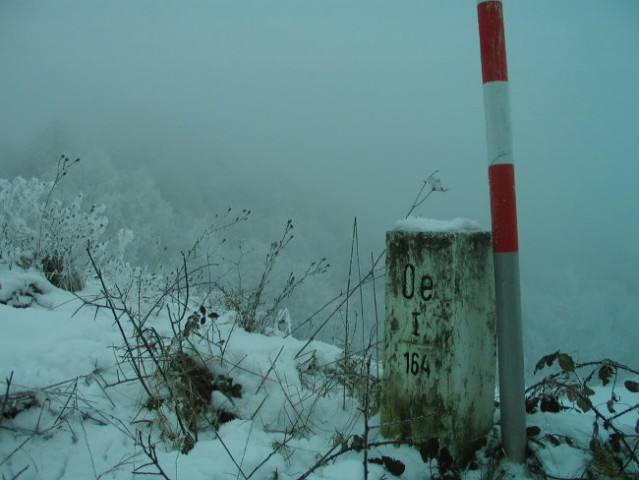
{"points": [[327, 110]]}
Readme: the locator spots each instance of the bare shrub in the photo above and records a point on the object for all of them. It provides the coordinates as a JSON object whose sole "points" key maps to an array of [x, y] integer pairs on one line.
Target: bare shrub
{"points": [[612, 447]]}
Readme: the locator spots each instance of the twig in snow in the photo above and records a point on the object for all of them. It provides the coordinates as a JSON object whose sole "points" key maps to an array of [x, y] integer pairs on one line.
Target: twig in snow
{"points": [[149, 450], [17, 474], [5, 400], [239, 468], [269, 370], [366, 415]]}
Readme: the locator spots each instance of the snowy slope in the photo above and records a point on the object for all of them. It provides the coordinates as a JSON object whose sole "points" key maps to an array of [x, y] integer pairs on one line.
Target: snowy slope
{"points": [[75, 409]]}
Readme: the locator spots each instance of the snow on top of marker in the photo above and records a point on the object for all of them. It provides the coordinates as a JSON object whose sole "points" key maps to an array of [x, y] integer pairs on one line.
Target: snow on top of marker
{"points": [[421, 224]]}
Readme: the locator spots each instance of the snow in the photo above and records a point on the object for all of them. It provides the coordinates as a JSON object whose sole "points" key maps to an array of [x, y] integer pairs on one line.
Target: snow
{"points": [[88, 420], [421, 224]]}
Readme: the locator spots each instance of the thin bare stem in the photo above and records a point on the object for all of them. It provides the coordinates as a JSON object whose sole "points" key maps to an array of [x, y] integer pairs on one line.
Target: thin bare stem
{"points": [[269, 370], [366, 416], [116, 317], [435, 186], [368, 277], [5, 399], [149, 450]]}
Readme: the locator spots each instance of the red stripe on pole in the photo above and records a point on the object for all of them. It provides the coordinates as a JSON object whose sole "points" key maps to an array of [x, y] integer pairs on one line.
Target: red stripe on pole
{"points": [[503, 207], [492, 41]]}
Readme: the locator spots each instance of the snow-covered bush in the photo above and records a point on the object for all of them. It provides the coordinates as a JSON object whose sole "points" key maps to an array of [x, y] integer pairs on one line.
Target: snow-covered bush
{"points": [[42, 232]]}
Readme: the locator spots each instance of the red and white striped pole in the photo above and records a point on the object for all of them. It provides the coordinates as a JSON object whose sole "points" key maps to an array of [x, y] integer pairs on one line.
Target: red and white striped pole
{"points": [[501, 174]]}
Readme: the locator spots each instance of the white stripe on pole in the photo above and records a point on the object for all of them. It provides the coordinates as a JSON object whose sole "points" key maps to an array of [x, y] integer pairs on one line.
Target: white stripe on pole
{"points": [[498, 131]]}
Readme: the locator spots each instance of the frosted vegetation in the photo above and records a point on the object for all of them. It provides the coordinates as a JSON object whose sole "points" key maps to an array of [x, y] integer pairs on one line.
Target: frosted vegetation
{"points": [[50, 224], [190, 349]]}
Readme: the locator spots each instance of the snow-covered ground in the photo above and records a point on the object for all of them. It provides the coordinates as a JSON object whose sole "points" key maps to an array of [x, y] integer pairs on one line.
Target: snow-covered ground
{"points": [[75, 409]]}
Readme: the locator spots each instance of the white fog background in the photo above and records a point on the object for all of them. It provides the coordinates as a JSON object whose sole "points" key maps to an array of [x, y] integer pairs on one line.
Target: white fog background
{"points": [[325, 110]]}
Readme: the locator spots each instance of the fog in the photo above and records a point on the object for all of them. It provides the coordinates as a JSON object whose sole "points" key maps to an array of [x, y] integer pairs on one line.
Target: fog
{"points": [[323, 111]]}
